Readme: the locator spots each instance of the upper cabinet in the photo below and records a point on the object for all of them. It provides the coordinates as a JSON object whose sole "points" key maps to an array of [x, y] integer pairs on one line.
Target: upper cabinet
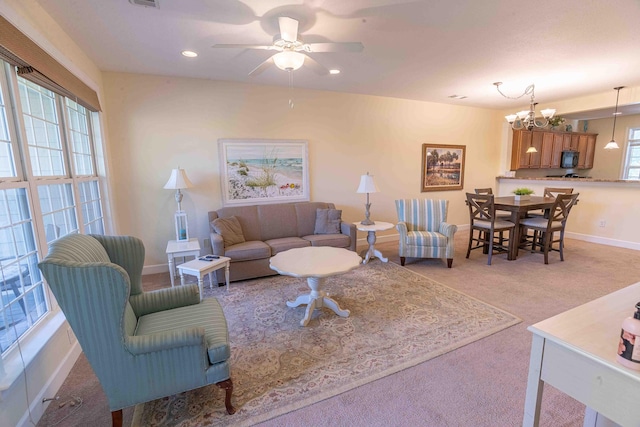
{"points": [[549, 146]]}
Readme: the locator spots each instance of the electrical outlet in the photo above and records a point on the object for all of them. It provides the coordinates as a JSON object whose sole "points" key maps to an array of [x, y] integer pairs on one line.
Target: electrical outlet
{"points": [[603, 223]]}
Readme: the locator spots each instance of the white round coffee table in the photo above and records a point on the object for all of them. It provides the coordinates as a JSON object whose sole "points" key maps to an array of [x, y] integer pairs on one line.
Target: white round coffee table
{"points": [[315, 263], [371, 239]]}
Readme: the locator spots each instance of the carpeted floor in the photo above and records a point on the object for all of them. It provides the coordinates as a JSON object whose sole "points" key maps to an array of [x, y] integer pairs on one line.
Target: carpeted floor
{"points": [[480, 384], [398, 319]]}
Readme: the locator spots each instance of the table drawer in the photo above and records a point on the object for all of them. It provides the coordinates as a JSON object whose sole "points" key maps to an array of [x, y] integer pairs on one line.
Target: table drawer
{"points": [[607, 390]]}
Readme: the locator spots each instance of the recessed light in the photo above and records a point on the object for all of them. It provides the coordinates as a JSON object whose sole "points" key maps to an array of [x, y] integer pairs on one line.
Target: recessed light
{"points": [[457, 96], [334, 71], [189, 53]]}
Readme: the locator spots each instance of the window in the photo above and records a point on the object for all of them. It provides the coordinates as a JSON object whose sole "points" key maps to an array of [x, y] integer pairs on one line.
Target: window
{"points": [[49, 187], [632, 160]]}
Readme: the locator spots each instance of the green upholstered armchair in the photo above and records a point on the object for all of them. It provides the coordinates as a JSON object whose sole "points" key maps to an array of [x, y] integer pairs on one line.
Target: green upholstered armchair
{"points": [[141, 345], [423, 228]]}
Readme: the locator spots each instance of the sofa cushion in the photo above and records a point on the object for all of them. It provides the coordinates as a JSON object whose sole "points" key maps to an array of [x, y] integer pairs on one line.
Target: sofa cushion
{"points": [[306, 214], [277, 221], [426, 238], [247, 251], [328, 221], [248, 218], [230, 230], [286, 243], [335, 240], [208, 315]]}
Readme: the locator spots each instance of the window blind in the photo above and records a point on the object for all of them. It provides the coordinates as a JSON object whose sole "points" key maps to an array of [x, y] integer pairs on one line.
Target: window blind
{"points": [[34, 64]]}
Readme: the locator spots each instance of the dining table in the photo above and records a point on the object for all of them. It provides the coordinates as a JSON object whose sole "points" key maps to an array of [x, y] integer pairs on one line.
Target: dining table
{"points": [[518, 209]]}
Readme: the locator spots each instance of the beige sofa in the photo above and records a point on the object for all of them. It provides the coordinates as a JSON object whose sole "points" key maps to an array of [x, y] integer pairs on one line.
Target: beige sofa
{"points": [[269, 229]]}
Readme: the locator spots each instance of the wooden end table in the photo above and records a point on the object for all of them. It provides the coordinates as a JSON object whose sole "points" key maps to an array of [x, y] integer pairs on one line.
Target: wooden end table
{"points": [[315, 263], [371, 239], [199, 268], [178, 249]]}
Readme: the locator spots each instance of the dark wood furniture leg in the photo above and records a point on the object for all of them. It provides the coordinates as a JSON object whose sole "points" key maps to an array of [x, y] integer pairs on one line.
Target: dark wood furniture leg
{"points": [[116, 418], [449, 262], [227, 386], [402, 260]]}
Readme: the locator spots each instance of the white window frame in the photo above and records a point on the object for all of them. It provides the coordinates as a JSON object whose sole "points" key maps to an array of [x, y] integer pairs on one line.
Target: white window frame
{"points": [[630, 145], [25, 179]]}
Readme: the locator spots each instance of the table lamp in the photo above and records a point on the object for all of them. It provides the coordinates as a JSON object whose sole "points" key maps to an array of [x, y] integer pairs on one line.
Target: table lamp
{"points": [[367, 186], [177, 181]]}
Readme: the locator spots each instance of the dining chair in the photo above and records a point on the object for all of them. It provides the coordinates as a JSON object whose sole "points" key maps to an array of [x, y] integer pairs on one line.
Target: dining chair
{"points": [[484, 225], [555, 223], [550, 192], [489, 190]]}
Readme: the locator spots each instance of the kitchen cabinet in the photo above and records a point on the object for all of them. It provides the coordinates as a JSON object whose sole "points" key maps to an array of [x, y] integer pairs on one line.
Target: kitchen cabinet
{"points": [[522, 140], [550, 145]]}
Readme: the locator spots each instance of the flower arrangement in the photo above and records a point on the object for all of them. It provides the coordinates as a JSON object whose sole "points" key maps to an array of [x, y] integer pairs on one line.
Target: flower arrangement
{"points": [[522, 191], [556, 121]]}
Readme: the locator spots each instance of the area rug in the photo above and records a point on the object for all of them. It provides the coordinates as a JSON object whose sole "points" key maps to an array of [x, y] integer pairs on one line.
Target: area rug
{"points": [[398, 319]]}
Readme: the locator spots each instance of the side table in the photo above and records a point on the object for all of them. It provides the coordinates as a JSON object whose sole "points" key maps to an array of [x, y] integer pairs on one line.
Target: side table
{"points": [[371, 239], [177, 249], [199, 268]]}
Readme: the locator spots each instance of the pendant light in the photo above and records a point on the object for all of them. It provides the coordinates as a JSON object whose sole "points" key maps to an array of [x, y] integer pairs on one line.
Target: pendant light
{"points": [[612, 145]]}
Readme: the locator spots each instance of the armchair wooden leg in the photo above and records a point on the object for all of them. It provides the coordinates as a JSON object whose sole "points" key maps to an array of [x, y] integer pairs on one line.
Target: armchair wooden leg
{"points": [[116, 418], [449, 262], [227, 386], [402, 260]]}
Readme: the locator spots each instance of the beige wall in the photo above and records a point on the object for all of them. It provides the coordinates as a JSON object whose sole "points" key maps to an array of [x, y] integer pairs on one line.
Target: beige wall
{"points": [[609, 163], [158, 123], [615, 204]]}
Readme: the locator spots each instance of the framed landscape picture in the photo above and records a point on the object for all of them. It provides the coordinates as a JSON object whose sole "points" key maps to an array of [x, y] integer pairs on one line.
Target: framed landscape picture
{"points": [[259, 171], [442, 167]]}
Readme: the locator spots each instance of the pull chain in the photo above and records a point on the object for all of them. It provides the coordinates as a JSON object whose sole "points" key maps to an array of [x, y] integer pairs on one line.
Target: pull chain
{"points": [[291, 89]]}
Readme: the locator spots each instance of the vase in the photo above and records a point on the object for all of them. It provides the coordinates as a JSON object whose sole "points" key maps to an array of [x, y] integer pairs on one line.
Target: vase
{"points": [[520, 197]]}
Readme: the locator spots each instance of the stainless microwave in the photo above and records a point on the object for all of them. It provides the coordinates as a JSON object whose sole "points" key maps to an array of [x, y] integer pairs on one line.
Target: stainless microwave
{"points": [[569, 159]]}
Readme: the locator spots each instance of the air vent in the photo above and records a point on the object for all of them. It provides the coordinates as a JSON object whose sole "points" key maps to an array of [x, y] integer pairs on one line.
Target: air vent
{"points": [[146, 3]]}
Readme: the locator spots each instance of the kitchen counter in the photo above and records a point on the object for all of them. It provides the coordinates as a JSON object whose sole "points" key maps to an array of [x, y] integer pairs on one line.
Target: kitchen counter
{"points": [[564, 179]]}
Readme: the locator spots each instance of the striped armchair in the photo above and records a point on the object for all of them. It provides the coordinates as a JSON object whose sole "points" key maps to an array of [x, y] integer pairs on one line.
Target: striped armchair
{"points": [[141, 345], [424, 232]]}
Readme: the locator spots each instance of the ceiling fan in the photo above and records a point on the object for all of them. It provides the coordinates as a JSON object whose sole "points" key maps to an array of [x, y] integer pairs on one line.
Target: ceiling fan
{"points": [[292, 51]]}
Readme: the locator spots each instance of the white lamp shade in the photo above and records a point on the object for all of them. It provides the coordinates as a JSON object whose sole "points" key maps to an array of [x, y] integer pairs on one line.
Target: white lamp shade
{"points": [[611, 145], [511, 118], [178, 180], [288, 60], [367, 185], [531, 149], [547, 113]]}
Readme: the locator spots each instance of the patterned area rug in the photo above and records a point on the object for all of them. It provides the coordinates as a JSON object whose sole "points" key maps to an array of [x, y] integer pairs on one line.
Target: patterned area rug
{"points": [[398, 319]]}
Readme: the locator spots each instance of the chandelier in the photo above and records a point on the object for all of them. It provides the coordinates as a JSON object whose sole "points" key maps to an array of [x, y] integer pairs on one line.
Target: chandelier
{"points": [[526, 119]]}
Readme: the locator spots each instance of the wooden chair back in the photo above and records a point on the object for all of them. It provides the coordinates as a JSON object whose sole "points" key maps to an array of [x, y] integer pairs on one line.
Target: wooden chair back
{"points": [[553, 192], [562, 207]]}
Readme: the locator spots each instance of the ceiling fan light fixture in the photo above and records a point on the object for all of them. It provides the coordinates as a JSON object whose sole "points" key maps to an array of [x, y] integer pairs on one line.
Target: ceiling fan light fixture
{"points": [[288, 60], [334, 71]]}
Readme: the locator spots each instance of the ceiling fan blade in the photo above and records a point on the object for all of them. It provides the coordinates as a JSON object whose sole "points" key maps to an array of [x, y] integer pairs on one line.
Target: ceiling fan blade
{"points": [[243, 46], [288, 28], [260, 68], [315, 66], [334, 47]]}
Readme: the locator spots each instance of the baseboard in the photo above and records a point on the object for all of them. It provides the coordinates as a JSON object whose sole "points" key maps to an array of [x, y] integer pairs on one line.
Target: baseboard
{"points": [[51, 387], [155, 269], [604, 240]]}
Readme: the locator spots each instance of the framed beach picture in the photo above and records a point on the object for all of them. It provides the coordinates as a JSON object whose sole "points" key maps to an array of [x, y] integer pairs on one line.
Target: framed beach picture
{"points": [[260, 171], [442, 167]]}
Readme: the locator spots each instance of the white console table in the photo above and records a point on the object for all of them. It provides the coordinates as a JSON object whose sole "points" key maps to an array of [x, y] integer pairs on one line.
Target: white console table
{"points": [[575, 352]]}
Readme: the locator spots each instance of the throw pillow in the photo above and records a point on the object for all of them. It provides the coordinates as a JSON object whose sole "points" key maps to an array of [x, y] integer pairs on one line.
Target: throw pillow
{"points": [[328, 221], [230, 230]]}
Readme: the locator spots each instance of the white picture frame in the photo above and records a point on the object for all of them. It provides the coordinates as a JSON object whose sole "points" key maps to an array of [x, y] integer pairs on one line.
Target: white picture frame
{"points": [[262, 171]]}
